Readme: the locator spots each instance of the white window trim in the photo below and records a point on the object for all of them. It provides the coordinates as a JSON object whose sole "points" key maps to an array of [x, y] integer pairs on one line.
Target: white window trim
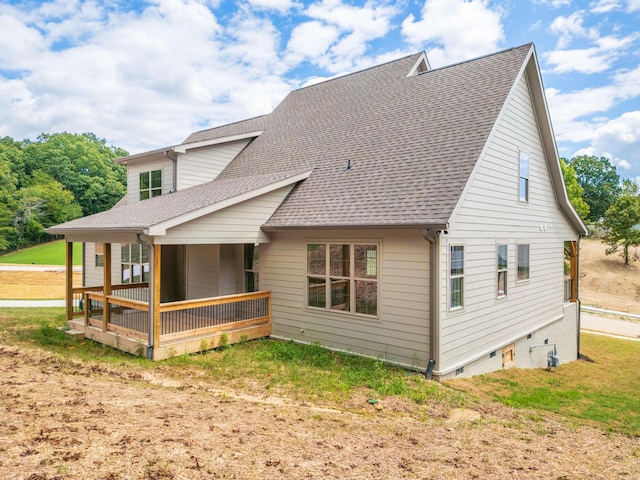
{"points": [[524, 280], [352, 278], [450, 277], [150, 189]]}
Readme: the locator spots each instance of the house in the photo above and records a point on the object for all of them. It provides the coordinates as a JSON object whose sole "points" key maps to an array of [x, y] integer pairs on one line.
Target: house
{"points": [[411, 214]]}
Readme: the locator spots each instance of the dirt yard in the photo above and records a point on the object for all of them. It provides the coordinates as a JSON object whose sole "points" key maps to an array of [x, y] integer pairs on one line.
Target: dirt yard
{"points": [[605, 281], [47, 285], [62, 419]]}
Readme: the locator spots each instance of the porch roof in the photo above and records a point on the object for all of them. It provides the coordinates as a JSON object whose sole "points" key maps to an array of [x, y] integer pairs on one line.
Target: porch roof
{"points": [[155, 215]]}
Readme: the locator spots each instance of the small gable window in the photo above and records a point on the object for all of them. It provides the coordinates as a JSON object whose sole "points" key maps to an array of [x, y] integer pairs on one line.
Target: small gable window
{"points": [[456, 276], [524, 177], [150, 184]]}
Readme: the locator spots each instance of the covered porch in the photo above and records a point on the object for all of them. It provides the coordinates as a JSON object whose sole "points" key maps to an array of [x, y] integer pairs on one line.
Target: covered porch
{"points": [[131, 316]]}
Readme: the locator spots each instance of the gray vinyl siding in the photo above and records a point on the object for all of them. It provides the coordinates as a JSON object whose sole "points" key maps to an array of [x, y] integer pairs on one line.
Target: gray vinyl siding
{"points": [[94, 276], [236, 224], [400, 332], [204, 164], [490, 213], [202, 271], [133, 177]]}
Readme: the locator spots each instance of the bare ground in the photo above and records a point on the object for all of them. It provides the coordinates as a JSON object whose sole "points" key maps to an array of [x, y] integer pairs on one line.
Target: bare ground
{"points": [[605, 281], [62, 419]]}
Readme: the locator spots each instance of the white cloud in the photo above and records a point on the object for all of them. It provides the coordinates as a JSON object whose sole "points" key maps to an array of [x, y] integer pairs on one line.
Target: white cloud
{"points": [[461, 29], [604, 6], [554, 3], [281, 6], [570, 27], [311, 40], [633, 5]]}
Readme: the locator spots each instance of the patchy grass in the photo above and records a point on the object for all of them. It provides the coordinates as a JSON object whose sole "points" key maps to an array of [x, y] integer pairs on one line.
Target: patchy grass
{"points": [[51, 253], [303, 372], [602, 388]]}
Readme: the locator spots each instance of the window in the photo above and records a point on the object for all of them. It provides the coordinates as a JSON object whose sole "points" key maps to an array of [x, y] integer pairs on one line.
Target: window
{"points": [[502, 270], [150, 184], [99, 254], [524, 177], [343, 277], [251, 268], [456, 276], [523, 262], [135, 263]]}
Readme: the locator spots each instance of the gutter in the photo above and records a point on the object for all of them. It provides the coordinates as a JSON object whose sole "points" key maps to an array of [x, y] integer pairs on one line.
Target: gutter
{"points": [[174, 161]]}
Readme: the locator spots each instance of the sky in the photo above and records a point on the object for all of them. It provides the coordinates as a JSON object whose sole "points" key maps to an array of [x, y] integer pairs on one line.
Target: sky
{"points": [[145, 74]]}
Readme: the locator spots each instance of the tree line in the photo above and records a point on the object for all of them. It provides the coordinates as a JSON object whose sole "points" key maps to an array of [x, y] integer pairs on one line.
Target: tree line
{"points": [[53, 179], [605, 202]]}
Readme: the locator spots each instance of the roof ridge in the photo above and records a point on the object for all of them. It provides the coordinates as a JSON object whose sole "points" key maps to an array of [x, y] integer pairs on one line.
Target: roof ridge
{"points": [[462, 62]]}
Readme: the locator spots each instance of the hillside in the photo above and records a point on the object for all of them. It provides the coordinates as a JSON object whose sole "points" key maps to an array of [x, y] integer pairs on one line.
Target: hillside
{"points": [[605, 281]]}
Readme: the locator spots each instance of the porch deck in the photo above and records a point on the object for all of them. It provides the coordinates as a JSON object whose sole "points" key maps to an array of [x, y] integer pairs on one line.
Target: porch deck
{"points": [[123, 320]]}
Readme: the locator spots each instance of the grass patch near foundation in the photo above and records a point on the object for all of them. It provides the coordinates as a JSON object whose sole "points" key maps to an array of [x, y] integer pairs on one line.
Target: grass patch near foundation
{"points": [[601, 388]]}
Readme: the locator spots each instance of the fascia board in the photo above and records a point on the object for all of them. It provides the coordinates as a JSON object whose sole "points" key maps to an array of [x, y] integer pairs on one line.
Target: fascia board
{"points": [[215, 141], [144, 155], [161, 228]]}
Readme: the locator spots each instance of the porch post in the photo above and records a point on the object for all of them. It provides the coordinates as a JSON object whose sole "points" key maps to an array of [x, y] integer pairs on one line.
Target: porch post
{"points": [[69, 282], [155, 308], [107, 287]]}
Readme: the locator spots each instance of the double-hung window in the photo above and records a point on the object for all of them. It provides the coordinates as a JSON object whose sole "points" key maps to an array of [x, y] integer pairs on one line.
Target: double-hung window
{"points": [[135, 263], [150, 184], [523, 188], [502, 269], [456, 276], [251, 268], [523, 262], [343, 277]]}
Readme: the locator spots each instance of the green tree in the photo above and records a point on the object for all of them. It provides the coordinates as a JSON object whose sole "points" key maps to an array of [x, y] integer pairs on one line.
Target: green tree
{"points": [[629, 187], [10, 155], [574, 190], [622, 222], [600, 183], [83, 164]]}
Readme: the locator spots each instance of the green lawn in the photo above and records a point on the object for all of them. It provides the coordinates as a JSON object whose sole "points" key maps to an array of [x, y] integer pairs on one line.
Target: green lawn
{"points": [[602, 388], [52, 253]]}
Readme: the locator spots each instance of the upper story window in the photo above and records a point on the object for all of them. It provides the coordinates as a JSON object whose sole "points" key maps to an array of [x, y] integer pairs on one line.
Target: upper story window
{"points": [[150, 184], [343, 277], [502, 268], [523, 262], [456, 276], [523, 189]]}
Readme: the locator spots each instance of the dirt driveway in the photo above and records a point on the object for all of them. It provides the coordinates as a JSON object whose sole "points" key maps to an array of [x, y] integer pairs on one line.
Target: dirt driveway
{"points": [[62, 419]]}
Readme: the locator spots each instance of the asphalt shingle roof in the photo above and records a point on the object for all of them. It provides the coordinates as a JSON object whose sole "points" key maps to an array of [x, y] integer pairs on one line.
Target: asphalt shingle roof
{"points": [[156, 210], [411, 141]]}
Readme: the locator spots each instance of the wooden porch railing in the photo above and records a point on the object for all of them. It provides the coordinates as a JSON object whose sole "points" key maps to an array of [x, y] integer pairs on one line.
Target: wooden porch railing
{"points": [[181, 320]]}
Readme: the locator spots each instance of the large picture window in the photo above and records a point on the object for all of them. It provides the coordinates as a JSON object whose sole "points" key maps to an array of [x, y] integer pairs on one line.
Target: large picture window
{"points": [[150, 184], [456, 276], [523, 262], [343, 277], [135, 263], [502, 268]]}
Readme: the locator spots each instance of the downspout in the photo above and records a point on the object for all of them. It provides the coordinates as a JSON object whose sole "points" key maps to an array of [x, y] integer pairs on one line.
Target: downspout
{"points": [[174, 161], [578, 292], [151, 294], [431, 236]]}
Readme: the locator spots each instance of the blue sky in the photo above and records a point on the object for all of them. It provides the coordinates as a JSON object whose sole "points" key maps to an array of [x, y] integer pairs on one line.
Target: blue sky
{"points": [[143, 75]]}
